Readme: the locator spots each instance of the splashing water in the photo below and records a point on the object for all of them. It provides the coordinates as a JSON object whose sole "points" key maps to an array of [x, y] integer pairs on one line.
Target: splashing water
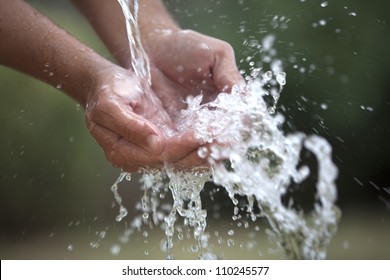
{"points": [[249, 155]]}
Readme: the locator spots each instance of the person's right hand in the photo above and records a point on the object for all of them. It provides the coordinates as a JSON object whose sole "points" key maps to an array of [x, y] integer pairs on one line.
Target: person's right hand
{"points": [[129, 122]]}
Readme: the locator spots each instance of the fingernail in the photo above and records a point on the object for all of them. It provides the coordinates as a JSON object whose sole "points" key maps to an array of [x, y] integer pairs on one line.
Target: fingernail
{"points": [[153, 143]]}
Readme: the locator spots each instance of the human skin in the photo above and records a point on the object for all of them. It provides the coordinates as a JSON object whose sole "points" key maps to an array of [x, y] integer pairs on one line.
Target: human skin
{"points": [[183, 62], [32, 44], [124, 115]]}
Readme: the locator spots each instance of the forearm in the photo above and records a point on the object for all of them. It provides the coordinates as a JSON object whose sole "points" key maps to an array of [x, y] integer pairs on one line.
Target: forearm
{"points": [[107, 19], [32, 44], [154, 22]]}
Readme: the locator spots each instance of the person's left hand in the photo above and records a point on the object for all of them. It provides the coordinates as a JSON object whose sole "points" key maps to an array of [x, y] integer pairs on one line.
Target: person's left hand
{"points": [[185, 63]]}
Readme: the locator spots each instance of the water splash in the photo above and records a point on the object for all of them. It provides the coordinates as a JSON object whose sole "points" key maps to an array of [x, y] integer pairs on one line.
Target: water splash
{"points": [[249, 155], [254, 158], [259, 160], [118, 198]]}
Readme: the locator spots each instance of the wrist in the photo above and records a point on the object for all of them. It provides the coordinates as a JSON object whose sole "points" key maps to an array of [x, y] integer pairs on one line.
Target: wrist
{"points": [[75, 71], [82, 80]]}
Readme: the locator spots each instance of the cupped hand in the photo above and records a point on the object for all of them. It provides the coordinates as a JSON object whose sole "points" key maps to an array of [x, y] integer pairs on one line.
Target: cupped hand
{"points": [[129, 122], [187, 63]]}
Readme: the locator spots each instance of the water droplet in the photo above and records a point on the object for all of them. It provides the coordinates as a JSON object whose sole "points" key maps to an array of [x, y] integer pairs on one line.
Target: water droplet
{"points": [[272, 110], [194, 248], [354, 14], [268, 42], [180, 236], [70, 247], [231, 232], [322, 22], [324, 4], [281, 78], [324, 106], [122, 214], [255, 72], [267, 76], [115, 249], [203, 152], [102, 234], [128, 177], [94, 245], [230, 242]]}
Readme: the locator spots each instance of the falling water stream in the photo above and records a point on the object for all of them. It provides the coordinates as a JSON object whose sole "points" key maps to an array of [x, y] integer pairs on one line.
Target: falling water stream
{"points": [[252, 157], [139, 59]]}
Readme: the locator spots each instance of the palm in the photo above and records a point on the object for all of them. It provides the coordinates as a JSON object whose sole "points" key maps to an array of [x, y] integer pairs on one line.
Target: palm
{"points": [[188, 63], [173, 93], [125, 92]]}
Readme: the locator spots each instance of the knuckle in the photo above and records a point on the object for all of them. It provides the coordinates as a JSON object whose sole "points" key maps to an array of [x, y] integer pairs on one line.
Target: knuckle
{"points": [[89, 117], [111, 156], [225, 49]]}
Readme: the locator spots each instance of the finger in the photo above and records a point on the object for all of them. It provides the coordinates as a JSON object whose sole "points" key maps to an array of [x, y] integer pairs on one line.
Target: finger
{"points": [[225, 71], [123, 154], [179, 146], [134, 128], [192, 161]]}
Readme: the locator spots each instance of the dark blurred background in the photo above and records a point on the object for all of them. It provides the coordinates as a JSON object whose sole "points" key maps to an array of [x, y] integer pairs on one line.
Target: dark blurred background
{"points": [[55, 198]]}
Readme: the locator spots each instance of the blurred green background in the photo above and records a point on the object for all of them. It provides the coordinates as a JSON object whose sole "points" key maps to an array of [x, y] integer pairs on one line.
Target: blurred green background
{"points": [[55, 198]]}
